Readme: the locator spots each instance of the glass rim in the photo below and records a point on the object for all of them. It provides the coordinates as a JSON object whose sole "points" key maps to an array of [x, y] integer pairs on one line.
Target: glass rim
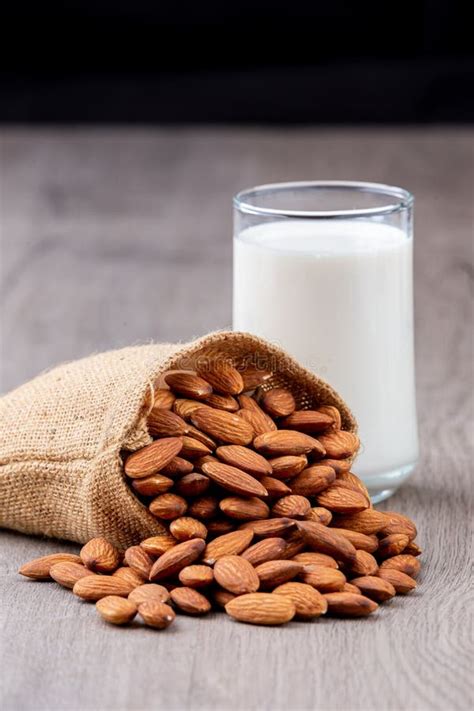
{"points": [[403, 199]]}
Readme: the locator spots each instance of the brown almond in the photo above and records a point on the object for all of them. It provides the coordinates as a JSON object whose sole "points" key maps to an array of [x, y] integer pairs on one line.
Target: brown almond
{"points": [[177, 467], [185, 408], [165, 423], [253, 414], [309, 421], [185, 528], [168, 506], [295, 543], [156, 614], [261, 608], [339, 444], [405, 563], [277, 572], [233, 479], [204, 507], [322, 578], [194, 484], [190, 601], [236, 575], [275, 487], [176, 558], [361, 541], [392, 545], [67, 573], [157, 545], [323, 540], [278, 402], [219, 526], [100, 556], [308, 602], [353, 481], [313, 480], [222, 597], [364, 564], [287, 467], [188, 385], [254, 377], [339, 465], [39, 568], [287, 442], [139, 561], [224, 378], [292, 506], [263, 551], [374, 587], [413, 549], [193, 448], [149, 591], [320, 515], [402, 582], [368, 521], [229, 544], [351, 588], [196, 576], [349, 605], [270, 527], [224, 426], [152, 485], [244, 509], [222, 402], [130, 576], [163, 399], [340, 500], [397, 523], [333, 413], [245, 459], [116, 610], [313, 558], [201, 437], [152, 458], [95, 587]]}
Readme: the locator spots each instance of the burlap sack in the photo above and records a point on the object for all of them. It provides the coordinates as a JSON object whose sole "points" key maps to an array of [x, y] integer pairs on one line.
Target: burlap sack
{"points": [[62, 434]]}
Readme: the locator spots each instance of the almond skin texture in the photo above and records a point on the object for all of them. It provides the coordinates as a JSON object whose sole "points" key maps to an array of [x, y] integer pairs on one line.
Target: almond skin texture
{"points": [[263, 551], [323, 540], [397, 523], [295, 543], [244, 509], [193, 448], [196, 576], [287, 442], [368, 521], [177, 558], [278, 402], [275, 487], [139, 561], [271, 527], [116, 610], [402, 582], [392, 545], [292, 506], [152, 485], [339, 500], [163, 399], [407, 564], [361, 541], [149, 591], [323, 579], [100, 556], [365, 564], [254, 377], [176, 468], [157, 545], [349, 605], [204, 507], [313, 480], [194, 484], [236, 575], [287, 467], [95, 587], [186, 528], [340, 444], [152, 458], [308, 602], [277, 572], [229, 544], [164, 423], [255, 416], [413, 549], [130, 576], [222, 425], [223, 377], [219, 526], [222, 402], [245, 459], [309, 421], [67, 574], [351, 588], [168, 506], [188, 385], [234, 480], [261, 609], [339, 465], [156, 614], [312, 558], [375, 588], [201, 437], [39, 568], [222, 597], [320, 515], [190, 601], [333, 413], [185, 408]]}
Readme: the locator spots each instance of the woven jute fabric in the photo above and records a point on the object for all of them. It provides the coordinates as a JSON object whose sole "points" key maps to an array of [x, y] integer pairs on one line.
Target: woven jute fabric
{"points": [[63, 434]]}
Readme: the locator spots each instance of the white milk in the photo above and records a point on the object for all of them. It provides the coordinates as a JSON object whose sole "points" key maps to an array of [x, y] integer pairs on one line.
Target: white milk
{"points": [[338, 296]]}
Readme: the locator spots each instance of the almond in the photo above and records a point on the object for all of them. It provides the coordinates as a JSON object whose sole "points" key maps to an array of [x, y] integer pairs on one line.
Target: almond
{"points": [[177, 558], [163, 399], [177, 467], [368, 521], [219, 526], [276, 572], [402, 582], [236, 575], [188, 385], [234, 479], [351, 588], [254, 377], [149, 591], [312, 558], [244, 509], [252, 413], [39, 568], [278, 402], [333, 413], [193, 484], [364, 564], [308, 602], [261, 609], [67, 573], [152, 458], [222, 402], [201, 437], [339, 444], [164, 423], [152, 485], [185, 408], [339, 465], [340, 500], [323, 540], [263, 551], [190, 601], [287, 467], [193, 448], [295, 543], [156, 614], [271, 527], [413, 549], [361, 541], [397, 523], [392, 545], [313, 480], [275, 488], [322, 578], [185, 528], [130, 576], [229, 544], [224, 426], [285, 442], [116, 610], [292, 506], [95, 587], [196, 576], [168, 506], [139, 561], [245, 459], [349, 605], [100, 556], [223, 377], [204, 507], [157, 545], [353, 482], [375, 588], [320, 515], [309, 421], [222, 597], [405, 563]]}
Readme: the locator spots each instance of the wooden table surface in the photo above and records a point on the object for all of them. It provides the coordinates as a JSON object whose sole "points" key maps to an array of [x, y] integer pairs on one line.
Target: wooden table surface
{"points": [[113, 237]]}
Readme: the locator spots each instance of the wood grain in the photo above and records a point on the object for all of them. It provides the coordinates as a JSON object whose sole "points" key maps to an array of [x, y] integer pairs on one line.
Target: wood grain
{"points": [[98, 230]]}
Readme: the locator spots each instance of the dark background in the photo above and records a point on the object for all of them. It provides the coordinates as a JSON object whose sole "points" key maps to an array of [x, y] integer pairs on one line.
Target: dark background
{"points": [[266, 61]]}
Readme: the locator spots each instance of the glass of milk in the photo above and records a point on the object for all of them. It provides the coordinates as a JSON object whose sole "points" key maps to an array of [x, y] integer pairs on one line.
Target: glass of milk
{"points": [[324, 269]]}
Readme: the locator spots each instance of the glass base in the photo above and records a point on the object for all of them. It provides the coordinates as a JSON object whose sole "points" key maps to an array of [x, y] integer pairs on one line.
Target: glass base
{"points": [[382, 486]]}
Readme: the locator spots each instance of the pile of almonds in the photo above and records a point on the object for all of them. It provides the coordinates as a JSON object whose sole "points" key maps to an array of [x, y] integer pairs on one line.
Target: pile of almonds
{"points": [[263, 516]]}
